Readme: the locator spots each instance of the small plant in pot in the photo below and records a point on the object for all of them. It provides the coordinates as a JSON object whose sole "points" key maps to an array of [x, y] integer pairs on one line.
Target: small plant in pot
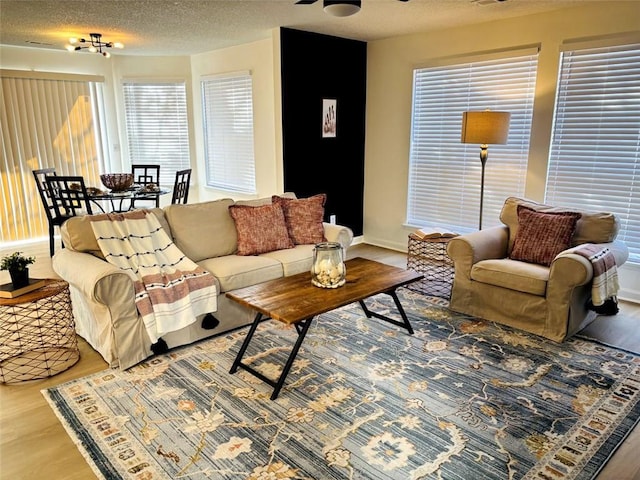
{"points": [[18, 266]]}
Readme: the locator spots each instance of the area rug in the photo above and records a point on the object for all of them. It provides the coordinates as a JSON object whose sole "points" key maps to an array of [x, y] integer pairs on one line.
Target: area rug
{"points": [[460, 399]]}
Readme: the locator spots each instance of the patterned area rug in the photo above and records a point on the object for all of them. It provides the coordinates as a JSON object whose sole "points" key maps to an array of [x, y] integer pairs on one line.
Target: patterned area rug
{"points": [[460, 399]]}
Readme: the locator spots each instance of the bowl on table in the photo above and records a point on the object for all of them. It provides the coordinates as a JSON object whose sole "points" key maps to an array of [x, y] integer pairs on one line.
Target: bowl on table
{"points": [[117, 182]]}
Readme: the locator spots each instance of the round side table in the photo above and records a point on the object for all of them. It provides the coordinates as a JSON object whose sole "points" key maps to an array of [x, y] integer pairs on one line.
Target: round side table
{"points": [[37, 334]]}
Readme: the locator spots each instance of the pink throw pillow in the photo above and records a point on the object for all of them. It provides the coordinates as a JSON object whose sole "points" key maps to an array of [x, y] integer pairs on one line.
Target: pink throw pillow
{"points": [[260, 229], [542, 236], [304, 217]]}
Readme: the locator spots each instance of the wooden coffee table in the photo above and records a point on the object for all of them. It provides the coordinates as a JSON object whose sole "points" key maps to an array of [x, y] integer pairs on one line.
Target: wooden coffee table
{"points": [[294, 300]]}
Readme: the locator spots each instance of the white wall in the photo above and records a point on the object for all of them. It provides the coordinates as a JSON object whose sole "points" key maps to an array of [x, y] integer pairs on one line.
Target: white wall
{"points": [[390, 66], [389, 91], [260, 58]]}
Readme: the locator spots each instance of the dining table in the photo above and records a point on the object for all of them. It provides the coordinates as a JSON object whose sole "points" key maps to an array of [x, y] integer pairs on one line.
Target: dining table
{"points": [[120, 201]]}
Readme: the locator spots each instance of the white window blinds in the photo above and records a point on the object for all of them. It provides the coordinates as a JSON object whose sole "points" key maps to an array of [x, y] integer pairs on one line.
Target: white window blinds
{"points": [[227, 105], [595, 149], [444, 174], [157, 126], [46, 121]]}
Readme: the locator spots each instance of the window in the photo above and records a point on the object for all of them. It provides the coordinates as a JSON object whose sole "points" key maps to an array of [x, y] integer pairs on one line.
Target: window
{"points": [[227, 105], [444, 174], [48, 121], [594, 159], [157, 126]]}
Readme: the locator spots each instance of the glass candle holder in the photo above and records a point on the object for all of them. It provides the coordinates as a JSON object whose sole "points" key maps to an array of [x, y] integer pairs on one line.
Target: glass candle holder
{"points": [[328, 269]]}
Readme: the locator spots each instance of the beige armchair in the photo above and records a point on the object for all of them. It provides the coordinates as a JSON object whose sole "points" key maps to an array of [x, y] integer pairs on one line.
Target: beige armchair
{"points": [[551, 301]]}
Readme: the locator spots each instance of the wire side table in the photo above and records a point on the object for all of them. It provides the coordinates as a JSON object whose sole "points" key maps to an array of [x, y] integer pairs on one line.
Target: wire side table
{"points": [[429, 257], [37, 334]]}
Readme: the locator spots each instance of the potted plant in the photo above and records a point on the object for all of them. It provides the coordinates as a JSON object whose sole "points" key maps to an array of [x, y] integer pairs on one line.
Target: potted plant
{"points": [[18, 266]]}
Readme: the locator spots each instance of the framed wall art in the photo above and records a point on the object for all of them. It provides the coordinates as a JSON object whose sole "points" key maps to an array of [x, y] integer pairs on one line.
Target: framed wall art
{"points": [[329, 118]]}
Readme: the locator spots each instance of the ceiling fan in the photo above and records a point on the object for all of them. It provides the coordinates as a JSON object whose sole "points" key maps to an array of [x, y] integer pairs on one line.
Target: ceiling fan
{"points": [[338, 8]]}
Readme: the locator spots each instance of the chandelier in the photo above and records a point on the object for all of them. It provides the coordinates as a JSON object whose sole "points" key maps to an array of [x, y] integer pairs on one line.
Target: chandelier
{"points": [[94, 45]]}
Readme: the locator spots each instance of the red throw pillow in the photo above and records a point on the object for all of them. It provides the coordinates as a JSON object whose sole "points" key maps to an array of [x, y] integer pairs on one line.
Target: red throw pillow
{"points": [[260, 229], [542, 236], [304, 217]]}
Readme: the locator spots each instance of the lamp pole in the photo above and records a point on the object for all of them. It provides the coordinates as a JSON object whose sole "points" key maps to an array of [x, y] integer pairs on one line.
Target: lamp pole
{"points": [[483, 161]]}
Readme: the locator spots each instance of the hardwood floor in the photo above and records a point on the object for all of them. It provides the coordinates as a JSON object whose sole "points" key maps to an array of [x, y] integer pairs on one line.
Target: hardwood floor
{"points": [[34, 444]]}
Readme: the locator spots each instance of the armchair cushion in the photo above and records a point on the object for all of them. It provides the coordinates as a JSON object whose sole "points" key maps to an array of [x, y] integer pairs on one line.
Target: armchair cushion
{"points": [[542, 236], [512, 274]]}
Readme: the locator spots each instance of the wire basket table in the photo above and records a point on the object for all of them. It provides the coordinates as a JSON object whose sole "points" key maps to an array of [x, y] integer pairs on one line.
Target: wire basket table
{"points": [[429, 257], [37, 334]]}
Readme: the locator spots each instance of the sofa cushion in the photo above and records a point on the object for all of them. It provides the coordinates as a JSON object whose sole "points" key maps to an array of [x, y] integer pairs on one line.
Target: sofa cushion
{"points": [[593, 227], [260, 229], [203, 230], [78, 235], [294, 260], [542, 236], [512, 274], [304, 218], [235, 271]]}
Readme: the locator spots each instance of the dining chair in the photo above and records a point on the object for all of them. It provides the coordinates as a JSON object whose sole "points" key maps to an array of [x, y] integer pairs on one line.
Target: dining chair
{"points": [[143, 175], [53, 219], [181, 186], [69, 196]]}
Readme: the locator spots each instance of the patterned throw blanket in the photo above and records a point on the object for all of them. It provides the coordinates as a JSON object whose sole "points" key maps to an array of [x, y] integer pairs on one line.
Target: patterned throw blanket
{"points": [[604, 289], [171, 290]]}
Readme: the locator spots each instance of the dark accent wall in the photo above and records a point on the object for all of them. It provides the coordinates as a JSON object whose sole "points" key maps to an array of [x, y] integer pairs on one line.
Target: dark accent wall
{"points": [[317, 67]]}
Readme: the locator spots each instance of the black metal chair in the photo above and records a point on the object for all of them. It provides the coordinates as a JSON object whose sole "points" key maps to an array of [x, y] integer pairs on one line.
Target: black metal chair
{"points": [[53, 219], [69, 196], [181, 186], [145, 175]]}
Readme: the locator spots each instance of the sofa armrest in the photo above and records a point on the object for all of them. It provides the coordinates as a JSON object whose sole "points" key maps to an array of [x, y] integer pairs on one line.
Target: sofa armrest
{"points": [[466, 250], [338, 233], [96, 279], [104, 308]]}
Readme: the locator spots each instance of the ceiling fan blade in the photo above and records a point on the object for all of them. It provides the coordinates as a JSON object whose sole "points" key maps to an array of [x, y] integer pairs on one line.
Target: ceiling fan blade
{"points": [[305, 2]]}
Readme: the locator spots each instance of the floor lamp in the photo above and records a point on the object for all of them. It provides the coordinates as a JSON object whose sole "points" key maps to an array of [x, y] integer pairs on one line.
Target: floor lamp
{"points": [[485, 128]]}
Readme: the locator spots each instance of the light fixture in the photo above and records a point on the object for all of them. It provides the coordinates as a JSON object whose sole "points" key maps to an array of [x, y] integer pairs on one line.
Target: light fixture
{"points": [[338, 8], [341, 8], [485, 128], [94, 45]]}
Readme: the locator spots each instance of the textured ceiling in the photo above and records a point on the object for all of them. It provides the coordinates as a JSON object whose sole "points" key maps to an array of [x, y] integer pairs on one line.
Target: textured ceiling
{"points": [[183, 27]]}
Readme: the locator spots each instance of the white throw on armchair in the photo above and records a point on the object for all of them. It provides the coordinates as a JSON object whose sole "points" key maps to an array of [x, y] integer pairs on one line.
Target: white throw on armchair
{"points": [[552, 300]]}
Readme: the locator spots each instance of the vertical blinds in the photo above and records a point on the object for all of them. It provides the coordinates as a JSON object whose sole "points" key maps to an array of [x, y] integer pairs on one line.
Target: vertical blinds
{"points": [[227, 105], [595, 150], [45, 122], [444, 174], [157, 126]]}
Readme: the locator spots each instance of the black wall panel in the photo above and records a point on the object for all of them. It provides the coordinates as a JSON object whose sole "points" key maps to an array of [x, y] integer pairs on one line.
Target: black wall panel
{"points": [[317, 67]]}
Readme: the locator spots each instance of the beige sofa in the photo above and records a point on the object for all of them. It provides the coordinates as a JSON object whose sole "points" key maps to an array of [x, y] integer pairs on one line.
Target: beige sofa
{"points": [[548, 301], [103, 296]]}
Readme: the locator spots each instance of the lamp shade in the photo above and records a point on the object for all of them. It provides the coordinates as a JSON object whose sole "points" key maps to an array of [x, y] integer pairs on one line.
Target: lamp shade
{"points": [[342, 8], [485, 127]]}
